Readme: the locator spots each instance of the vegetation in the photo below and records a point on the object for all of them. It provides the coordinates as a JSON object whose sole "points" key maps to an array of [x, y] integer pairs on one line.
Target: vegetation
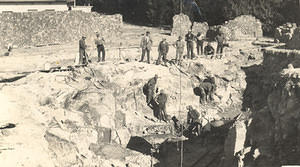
{"points": [[160, 12]]}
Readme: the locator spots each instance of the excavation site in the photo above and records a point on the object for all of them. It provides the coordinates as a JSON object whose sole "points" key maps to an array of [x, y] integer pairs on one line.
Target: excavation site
{"points": [[99, 86]]}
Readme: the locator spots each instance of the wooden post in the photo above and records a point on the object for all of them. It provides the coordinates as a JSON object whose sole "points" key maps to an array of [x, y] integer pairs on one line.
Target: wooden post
{"points": [[74, 3], [181, 6]]}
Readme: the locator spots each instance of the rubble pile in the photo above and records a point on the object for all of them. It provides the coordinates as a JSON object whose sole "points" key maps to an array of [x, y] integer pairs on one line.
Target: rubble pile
{"points": [[200, 27], [243, 27], [181, 25], [55, 27], [284, 33], [295, 40]]}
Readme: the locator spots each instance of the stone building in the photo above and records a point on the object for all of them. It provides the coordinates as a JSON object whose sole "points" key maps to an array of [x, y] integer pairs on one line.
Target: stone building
{"points": [[33, 5]]}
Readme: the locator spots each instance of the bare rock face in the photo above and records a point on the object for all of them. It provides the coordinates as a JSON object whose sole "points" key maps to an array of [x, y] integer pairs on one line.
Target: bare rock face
{"points": [[285, 32], [200, 27], [244, 27], [50, 27], [294, 43], [181, 25]]}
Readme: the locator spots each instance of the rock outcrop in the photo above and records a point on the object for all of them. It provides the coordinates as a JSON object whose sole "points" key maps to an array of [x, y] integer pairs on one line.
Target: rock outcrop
{"points": [[181, 25], [200, 27], [50, 27], [285, 32], [243, 27], [272, 97], [294, 43]]}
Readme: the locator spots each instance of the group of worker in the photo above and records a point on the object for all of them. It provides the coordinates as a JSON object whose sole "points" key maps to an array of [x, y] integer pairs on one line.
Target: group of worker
{"points": [[155, 101], [190, 39], [163, 48], [83, 57]]}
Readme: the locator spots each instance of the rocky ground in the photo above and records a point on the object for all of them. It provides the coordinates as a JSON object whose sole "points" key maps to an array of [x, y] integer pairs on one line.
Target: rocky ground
{"points": [[86, 117]]}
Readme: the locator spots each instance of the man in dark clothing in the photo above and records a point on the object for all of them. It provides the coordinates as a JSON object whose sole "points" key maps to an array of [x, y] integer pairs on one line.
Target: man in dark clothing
{"points": [[200, 42], [220, 40], [100, 47], [82, 51], [209, 50], [163, 49], [150, 90], [189, 38], [146, 44], [161, 101], [193, 121]]}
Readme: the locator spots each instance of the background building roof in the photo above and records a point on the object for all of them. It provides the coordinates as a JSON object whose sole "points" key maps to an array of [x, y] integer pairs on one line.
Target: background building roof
{"points": [[22, 1]]}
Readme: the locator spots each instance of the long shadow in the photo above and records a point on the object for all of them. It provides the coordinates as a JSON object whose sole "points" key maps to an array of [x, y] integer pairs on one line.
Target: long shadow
{"points": [[139, 144]]}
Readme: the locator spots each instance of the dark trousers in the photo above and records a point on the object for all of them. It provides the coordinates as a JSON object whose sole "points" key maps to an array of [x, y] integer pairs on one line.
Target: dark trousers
{"points": [[100, 48], [162, 112], [220, 47], [200, 47], [190, 49], [163, 56], [148, 55]]}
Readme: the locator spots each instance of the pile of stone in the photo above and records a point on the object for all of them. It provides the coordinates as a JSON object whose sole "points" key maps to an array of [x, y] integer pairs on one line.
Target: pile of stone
{"points": [[200, 27], [55, 27], [243, 27], [181, 25], [294, 43], [284, 33]]}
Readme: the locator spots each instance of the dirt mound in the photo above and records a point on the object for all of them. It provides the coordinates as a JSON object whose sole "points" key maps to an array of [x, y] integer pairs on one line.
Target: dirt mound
{"points": [[50, 27]]}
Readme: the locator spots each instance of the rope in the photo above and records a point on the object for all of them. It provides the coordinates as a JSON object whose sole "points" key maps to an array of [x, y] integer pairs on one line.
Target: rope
{"points": [[181, 151], [181, 146]]}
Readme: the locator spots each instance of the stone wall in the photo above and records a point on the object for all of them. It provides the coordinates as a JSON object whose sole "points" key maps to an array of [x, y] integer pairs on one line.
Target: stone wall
{"points": [[50, 27], [181, 25], [243, 27], [200, 27]]}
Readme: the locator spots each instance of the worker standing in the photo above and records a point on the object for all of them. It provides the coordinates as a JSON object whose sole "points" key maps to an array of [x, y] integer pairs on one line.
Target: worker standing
{"points": [[150, 90], [220, 40], [100, 47], [162, 101], [163, 49], [200, 42], [82, 59], [189, 38], [146, 44], [179, 45]]}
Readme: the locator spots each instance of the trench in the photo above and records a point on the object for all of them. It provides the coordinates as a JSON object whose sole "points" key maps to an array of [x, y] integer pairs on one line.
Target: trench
{"points": [[276, 147]]}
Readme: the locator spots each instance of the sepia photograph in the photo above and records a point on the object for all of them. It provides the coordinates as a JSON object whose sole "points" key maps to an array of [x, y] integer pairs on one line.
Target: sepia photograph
{"points": [[150, 83]]}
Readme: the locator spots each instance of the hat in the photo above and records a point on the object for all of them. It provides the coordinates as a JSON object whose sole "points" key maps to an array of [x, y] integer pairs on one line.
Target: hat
{"points": [[83, 36], [147, 32]]}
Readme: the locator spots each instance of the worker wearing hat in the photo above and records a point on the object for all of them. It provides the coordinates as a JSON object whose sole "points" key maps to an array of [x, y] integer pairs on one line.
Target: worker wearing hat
{"points": [[179, 45], [163, 49], [100, 47], [189, 38], [82, 51], [146, 44], [162, 101]]}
